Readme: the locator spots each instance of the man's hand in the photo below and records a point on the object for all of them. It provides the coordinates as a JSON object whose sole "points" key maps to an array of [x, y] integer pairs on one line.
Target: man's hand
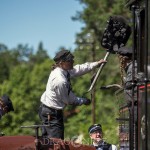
{"points": [[87, 101], [101, 61], [82, 101]]}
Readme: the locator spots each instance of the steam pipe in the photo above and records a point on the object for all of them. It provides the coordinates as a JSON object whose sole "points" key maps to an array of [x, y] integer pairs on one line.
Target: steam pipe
{"points": [[111, 86]]}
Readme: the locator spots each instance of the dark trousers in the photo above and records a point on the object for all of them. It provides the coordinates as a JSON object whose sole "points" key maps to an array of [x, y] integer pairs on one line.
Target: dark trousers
{"points": [[56, 128]]}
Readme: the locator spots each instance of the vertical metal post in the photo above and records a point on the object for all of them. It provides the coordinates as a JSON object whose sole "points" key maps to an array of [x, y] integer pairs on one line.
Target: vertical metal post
{"points": [[132, 120], [146, 73], [137, 51], [139, 46], [37, 138]]}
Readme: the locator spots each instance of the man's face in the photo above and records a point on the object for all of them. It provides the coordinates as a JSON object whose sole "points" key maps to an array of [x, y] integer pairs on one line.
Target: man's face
{"points": [[67, 65], [96, 136]]}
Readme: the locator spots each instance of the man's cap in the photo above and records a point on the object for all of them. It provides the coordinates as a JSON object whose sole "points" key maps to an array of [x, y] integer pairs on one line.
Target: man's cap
{"points": [[125, 51], [7, 101], [95, 127], [64, 55]]}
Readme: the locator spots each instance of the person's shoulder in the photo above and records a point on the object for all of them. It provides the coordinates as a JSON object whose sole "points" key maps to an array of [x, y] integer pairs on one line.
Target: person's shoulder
{"points": [[58, 76]]}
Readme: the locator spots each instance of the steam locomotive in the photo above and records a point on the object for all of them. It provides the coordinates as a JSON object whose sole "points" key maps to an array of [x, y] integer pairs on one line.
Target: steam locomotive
{"points": [[134, 120], [134, 134]]}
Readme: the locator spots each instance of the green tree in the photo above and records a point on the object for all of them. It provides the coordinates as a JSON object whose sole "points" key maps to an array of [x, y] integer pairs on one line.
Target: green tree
{"points": [[25, 75], [25, 87], [40, 55]]}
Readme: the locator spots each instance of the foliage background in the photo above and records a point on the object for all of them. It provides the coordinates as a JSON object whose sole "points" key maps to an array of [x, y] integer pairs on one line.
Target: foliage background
{"points": [[24, 73]]}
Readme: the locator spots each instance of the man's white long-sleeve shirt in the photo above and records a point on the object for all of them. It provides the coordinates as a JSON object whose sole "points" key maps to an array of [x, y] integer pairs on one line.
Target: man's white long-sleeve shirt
{"points": [[56, 95]]}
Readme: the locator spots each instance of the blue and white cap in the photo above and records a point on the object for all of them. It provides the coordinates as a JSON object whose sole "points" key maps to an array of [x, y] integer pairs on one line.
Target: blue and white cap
{"points": [[95, 127]]}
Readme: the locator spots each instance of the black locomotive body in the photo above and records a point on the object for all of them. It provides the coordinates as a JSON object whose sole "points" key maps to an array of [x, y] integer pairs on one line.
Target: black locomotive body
{"points": [[134, 120]]}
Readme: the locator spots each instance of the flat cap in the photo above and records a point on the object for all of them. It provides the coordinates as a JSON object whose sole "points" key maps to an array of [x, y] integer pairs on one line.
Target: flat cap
{"points": [[7, 101], [125, 51], [64, 55], [95, 127]]}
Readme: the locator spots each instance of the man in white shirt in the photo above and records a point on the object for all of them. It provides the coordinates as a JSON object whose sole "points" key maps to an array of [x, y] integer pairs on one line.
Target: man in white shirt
{"points": [[59, 93], [95, 132]]}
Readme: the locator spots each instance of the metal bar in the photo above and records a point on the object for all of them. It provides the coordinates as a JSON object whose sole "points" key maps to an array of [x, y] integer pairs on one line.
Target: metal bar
{"points": [[139, 46], [131, 110], [98, 72], [34, 126], [146, 73], [37, 138], [122, 119]]}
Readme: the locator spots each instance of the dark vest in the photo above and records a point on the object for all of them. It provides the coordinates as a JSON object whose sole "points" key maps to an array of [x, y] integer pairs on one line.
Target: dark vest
{"points": [[104, 146]]}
